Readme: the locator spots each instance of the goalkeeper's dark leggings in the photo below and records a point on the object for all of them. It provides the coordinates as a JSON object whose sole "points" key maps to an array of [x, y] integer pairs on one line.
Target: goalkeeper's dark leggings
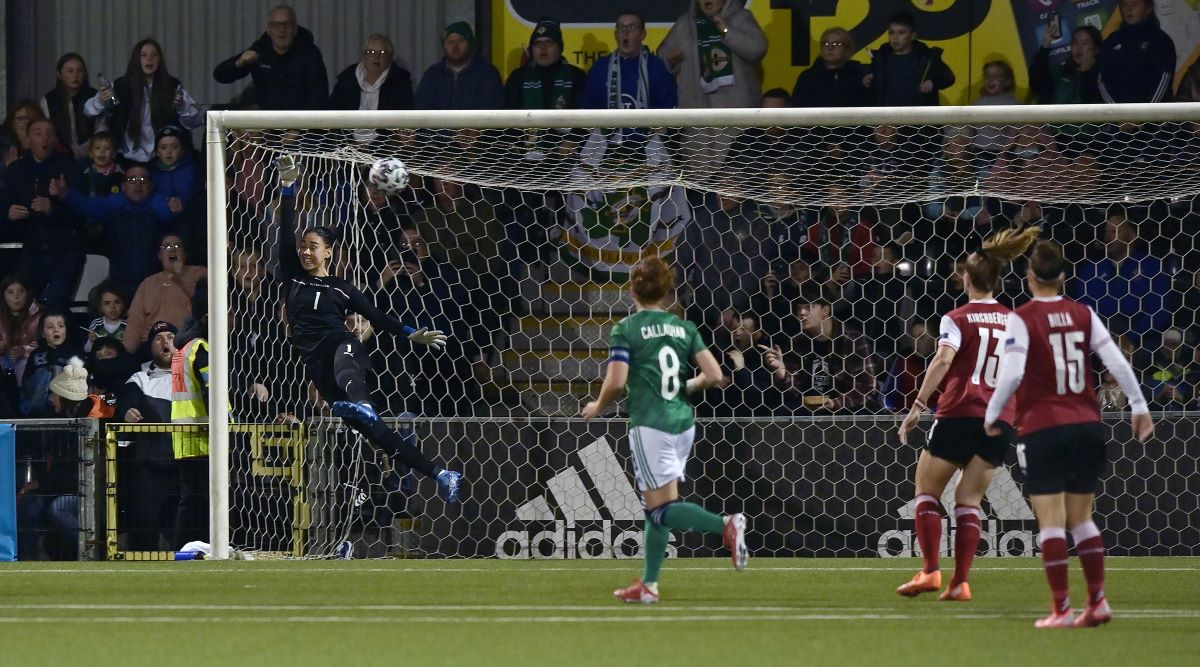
{"points": [[345, 379]]}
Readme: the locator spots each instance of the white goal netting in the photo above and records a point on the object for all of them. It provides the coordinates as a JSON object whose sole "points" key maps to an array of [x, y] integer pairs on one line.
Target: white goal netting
{"points": [[837, 246]]}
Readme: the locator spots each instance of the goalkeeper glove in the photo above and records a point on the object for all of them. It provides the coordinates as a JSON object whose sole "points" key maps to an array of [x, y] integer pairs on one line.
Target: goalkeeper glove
{"points": [[289, 171], [435, 339]]}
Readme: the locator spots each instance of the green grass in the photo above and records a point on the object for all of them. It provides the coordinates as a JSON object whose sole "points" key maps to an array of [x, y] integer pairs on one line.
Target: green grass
{"points": [[487, 612]]}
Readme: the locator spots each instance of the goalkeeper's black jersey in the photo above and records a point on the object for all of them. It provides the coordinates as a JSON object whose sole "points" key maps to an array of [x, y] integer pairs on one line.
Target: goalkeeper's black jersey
{"points": [[317, 306]]}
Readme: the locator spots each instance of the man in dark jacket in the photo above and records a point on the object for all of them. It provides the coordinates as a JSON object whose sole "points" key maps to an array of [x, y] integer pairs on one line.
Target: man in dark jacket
{"points": [[1137, 62], [53, 252], [835, 81], [285, 64], [149, 476], [463, 79], [134, 219], [906, 72]]}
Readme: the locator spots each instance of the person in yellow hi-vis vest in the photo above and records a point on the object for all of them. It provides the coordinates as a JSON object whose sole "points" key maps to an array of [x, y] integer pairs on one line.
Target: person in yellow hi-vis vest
{"points": [[189, 405]]}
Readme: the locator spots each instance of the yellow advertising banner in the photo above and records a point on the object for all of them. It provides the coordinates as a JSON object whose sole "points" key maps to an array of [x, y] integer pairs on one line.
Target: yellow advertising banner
{"points": [[971, 32]]}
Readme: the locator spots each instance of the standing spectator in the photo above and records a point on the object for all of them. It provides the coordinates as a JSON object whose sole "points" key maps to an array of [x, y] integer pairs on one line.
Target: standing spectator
{"points": [[133, 219], [64, 104], [375, 83], [906, 72], [143, 101], [189, 406], [714, 50], [462, 79], [16, 126], [150, 481], [1137, 62], [1077, 81], [165, 296], [632, 77], [53, 244], [54, 349], [1128, 287], [20, 324], [285, 65], [752, 390], [547, 82], [109, 303], [174, 169], [836, 80]]}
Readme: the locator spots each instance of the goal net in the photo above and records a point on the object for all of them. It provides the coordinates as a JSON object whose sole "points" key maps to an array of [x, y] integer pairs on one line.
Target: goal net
{"points": [[833, 239]]}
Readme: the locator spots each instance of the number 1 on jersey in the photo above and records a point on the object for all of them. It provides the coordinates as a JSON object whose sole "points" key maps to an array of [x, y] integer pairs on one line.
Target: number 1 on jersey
{"points": [[316, 300]]}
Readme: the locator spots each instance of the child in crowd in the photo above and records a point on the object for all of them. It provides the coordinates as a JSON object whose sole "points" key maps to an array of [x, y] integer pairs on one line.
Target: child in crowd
{"points": [[20, 320], [102, 176], [109, 301], [47, 361], [174, 170]]}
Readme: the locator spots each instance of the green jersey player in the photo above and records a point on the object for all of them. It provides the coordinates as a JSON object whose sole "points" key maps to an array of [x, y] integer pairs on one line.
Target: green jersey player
{"points": [[650, 352]]}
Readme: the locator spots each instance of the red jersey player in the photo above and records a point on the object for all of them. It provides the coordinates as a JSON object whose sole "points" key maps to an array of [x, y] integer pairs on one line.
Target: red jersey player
{"points": [[968, 358], [1061, 446]]}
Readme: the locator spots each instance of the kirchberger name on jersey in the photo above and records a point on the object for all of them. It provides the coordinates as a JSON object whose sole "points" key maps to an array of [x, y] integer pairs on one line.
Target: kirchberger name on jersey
{"points": [[988, 318], [660, 330]]}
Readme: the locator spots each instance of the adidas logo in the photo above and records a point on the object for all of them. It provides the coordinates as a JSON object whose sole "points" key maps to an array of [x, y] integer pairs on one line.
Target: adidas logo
{"points": [[588, 511], [1008, 507]]}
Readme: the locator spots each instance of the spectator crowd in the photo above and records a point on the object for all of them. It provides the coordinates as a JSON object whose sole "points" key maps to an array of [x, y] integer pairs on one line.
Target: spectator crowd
{"points": [[815, 310]]}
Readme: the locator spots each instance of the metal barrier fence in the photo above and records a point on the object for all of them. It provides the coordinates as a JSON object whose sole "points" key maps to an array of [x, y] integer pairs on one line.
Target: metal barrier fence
{"points": [[56, 488]]}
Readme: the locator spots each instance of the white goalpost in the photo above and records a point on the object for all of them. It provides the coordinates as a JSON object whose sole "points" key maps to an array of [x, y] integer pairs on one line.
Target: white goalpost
{"points": [[517, 234]]}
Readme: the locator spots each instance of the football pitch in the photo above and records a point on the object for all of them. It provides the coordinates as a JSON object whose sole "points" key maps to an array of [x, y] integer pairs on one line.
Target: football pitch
{"points": [[493, 612]]}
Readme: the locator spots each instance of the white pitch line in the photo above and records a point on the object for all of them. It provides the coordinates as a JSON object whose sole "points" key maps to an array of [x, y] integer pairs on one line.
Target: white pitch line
{"points": [[872, 611], [633, 617]]}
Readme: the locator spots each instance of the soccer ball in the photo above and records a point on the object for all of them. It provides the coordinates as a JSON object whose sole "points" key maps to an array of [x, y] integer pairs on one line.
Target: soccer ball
{"points": [[389, 176]]}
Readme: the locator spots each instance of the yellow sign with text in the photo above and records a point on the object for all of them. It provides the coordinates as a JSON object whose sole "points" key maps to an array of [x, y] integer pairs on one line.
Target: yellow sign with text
{"points": [[971, 32]]}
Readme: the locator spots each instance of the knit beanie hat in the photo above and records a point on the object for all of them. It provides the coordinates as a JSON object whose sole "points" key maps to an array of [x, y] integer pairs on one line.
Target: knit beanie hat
{"points": [[72, 382], [461, 28], [547, 29]]}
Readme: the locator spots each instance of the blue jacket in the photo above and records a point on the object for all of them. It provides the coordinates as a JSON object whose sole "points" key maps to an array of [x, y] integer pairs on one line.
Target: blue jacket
{"points": [[1138, 291], [133, 229], [178, 182], [661, 89], [1137, 63], [475, 87]]}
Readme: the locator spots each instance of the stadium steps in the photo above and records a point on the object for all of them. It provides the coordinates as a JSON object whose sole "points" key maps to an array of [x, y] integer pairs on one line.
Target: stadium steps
{"points": [[556, 353], [576, 299], [556, 365], [562, 333]]}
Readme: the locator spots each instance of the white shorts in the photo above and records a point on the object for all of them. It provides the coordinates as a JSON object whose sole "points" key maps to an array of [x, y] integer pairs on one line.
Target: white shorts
{"points": [[659, 457]]}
